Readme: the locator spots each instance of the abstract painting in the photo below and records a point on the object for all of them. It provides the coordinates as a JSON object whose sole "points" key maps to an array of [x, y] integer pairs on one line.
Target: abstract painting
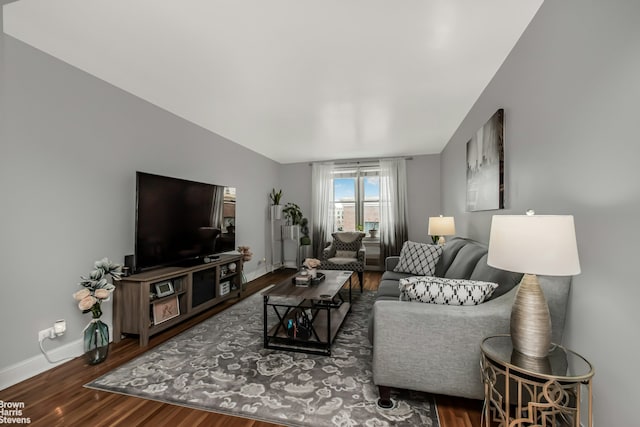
{"points": [[485, 166]]}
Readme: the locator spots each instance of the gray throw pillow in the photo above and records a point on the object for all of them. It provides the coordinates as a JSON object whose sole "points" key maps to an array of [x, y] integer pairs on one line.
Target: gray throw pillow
{"points": [[418, 258]]}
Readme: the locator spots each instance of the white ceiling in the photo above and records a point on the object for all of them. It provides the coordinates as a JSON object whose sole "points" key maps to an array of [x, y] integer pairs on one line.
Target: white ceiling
{"points": [[294, 80]]}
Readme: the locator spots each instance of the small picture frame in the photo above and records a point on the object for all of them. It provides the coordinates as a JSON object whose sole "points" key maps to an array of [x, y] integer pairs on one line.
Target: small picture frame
{"points": [[165, 310], [164, 289]]}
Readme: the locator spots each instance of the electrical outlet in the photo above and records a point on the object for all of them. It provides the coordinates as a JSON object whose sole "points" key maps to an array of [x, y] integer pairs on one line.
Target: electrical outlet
{"points": [[262, 261], [60, 327], [46, 333]]}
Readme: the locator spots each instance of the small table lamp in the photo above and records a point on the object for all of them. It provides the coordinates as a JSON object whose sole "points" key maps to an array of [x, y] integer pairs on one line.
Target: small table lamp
{"points": [[533, 244], [441, 226]]}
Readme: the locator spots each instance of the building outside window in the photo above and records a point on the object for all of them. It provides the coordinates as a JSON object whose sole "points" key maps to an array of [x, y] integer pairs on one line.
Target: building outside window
{"points": [[356, 199]]}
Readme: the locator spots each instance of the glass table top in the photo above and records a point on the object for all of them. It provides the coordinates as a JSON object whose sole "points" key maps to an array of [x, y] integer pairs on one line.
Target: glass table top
{"points": [[561, 363]]}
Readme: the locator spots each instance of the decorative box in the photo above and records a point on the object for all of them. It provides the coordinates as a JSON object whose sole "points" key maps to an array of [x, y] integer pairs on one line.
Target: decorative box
{"points": [[317, 279]]}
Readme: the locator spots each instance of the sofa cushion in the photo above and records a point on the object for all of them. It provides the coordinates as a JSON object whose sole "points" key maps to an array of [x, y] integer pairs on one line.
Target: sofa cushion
{"points": [[394, 275], [438, 290], [506, 280], [449, 252], [465, 261], [418, 258], [388, 288]]}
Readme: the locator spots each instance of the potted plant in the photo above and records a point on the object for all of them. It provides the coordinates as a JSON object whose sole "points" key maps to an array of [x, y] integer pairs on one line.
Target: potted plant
{"points": [[295, 222], [305, 241], [373, 232], [292, 213], [276, 208], [304, 230]]}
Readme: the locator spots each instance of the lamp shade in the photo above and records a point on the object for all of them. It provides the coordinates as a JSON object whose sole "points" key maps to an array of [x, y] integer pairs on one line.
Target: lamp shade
{"points": [[441, 226], [534, 244]]}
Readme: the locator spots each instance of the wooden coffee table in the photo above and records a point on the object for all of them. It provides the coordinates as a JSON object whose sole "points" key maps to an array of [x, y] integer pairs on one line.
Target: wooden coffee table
{"points": [[308, 317]]}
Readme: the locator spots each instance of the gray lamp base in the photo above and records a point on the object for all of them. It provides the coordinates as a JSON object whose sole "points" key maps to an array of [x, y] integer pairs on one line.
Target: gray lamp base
{"points": [[530, 319]]}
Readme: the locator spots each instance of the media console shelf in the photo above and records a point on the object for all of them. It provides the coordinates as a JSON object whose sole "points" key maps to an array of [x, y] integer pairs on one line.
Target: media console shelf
{"points": [[184, 292]]}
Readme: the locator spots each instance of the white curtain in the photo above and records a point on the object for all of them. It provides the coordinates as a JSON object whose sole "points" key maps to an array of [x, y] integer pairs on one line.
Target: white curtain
{"points": [[322, 210], [393, 205]]}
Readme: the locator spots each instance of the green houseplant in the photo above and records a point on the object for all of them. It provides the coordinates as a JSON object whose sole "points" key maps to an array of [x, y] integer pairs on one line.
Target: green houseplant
{"points": [[305, 240], [276, 208], [275, 196], [292, 213]]}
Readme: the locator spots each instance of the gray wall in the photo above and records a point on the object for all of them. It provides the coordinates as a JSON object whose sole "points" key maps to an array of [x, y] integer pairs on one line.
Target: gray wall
{"points": [[423, 192], [570, 90], [70, 147]]}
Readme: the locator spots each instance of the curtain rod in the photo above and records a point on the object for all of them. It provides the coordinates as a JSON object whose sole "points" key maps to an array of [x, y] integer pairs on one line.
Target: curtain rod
{"points": [[359, 161]]}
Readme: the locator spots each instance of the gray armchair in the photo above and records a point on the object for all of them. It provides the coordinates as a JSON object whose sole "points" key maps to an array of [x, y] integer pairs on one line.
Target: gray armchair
{"points": [[346, 252]]}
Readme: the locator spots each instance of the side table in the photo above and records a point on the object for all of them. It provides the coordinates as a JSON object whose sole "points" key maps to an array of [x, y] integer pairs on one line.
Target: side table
{"points": [[521, 390]]}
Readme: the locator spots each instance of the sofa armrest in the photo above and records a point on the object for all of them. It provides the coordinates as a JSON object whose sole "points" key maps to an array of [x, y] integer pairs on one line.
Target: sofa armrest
{"points": [[435, 348], [391, 262]]}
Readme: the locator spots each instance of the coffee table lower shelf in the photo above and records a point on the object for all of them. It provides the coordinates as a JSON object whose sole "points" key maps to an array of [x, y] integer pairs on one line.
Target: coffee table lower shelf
{"points": [[325, 323]]}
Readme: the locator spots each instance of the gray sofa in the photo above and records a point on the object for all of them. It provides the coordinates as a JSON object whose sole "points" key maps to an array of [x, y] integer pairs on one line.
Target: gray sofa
{"points": [[436, 348]]}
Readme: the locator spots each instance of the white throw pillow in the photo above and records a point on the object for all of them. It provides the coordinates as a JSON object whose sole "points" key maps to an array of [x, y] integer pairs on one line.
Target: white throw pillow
{"points": [[439, 290], [418, 258]]}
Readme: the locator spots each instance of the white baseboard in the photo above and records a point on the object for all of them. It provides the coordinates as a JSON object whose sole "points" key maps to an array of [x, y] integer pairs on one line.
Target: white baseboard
{"points": [[37, 364], [253, 275]]}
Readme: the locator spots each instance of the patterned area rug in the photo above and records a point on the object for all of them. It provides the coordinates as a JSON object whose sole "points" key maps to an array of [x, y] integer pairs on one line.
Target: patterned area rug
{"points": [[221, 366]]}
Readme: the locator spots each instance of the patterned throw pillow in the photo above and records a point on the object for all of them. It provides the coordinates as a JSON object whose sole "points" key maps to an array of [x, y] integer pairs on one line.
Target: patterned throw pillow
{"points": [[438, 290], [418, 258]]}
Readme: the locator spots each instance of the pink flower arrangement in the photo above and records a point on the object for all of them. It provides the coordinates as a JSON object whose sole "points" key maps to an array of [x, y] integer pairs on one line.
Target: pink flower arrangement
{"points": [[246, 253], [96, 287], [311, 263]]}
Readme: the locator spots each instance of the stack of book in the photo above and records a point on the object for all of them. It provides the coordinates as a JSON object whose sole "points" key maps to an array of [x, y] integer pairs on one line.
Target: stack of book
{"points": [[303, 280]]}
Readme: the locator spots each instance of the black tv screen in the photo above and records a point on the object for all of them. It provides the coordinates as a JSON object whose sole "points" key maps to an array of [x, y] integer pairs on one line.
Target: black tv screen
{"points": [[179, 222]]}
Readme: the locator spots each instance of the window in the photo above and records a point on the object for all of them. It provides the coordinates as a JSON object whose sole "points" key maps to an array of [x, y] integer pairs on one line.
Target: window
{"points": [[356, 199]]}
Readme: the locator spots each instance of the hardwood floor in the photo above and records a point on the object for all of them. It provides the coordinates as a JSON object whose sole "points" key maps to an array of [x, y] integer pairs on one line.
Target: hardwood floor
{"points": [[57, 397]]}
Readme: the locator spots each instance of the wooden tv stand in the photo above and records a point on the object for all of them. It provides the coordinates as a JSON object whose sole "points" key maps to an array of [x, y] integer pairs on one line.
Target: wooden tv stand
{"points": [[138, 310]]}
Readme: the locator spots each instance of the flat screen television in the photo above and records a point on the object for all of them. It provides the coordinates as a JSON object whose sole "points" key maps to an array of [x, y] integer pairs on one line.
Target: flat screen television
{"points": [[180, 222]]}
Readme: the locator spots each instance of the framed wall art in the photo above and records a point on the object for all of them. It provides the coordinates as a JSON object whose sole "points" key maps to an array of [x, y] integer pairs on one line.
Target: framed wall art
{"points": [[165, 310], [485, 166]]}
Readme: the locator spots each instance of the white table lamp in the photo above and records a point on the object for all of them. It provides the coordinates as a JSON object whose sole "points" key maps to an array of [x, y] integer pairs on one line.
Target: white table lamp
{"points": [[441, 226], [534, 245]]}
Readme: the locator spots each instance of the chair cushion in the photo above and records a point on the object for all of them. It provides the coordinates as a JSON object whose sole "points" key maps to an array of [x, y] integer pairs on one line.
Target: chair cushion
{"points": [[418, 258], [438, 290], [342, 260], [345, 254]]}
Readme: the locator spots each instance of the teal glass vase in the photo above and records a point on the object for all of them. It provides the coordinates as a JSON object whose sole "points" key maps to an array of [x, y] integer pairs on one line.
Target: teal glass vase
{"points": [[96, 342]]}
